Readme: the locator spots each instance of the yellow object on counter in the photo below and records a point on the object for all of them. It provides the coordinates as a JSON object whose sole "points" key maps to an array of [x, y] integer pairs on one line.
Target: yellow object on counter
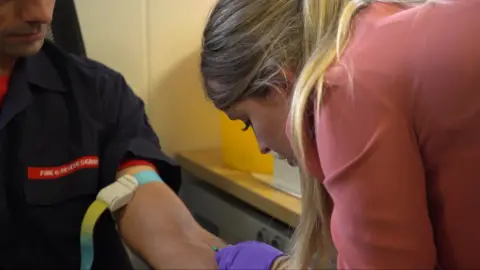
{"points": [[240, 148]]}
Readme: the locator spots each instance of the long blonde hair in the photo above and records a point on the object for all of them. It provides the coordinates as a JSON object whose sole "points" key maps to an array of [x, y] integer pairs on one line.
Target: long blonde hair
{"points": [[247, 44]]}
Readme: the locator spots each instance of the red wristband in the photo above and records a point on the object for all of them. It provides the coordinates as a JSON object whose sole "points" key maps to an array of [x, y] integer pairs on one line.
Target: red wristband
{"points": [[136, 162]]}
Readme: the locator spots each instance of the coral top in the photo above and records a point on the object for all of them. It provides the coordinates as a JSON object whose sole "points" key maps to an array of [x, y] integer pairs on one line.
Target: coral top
{"points": [[398, 139]]}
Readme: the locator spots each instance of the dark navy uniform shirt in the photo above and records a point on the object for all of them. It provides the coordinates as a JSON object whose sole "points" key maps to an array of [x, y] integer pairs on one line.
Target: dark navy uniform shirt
{"points": [[65, 126]]}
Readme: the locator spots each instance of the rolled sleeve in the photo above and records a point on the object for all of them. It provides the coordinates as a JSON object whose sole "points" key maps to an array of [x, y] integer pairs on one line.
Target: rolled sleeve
{"points": [[128, 133], [374, 174]]}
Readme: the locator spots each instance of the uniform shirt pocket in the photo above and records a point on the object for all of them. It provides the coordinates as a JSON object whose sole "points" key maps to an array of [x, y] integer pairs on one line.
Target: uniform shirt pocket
{"points": [[64, 183]]}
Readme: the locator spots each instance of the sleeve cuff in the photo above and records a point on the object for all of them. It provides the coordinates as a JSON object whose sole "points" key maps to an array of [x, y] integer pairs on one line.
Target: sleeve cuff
{"points": [[136, 162], [146, 150]]}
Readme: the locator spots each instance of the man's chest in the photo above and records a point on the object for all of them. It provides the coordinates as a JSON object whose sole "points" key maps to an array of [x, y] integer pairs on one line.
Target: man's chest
{"points": [[50, 165]]}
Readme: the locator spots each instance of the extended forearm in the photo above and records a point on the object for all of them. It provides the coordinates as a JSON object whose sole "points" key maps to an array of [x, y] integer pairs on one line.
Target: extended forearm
{"points": [[158, 226]]}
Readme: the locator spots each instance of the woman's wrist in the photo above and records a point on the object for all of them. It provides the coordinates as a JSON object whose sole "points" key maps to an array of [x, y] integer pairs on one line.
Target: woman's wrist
{"points": [[280, 263]]}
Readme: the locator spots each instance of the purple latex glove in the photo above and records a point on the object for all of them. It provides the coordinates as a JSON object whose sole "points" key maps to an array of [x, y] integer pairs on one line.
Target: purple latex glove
{"points": [[247, 255]]}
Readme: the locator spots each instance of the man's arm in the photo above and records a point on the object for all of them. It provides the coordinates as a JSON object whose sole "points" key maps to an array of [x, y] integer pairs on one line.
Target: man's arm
{"points": [[155, 223]]}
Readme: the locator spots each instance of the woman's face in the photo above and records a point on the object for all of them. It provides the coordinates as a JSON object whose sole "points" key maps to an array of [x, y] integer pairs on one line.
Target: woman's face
{"points": [[267, 117]]}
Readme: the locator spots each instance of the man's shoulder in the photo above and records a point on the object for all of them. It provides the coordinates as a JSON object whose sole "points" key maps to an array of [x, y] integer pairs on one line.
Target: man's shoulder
{"points": [[80, 66]]}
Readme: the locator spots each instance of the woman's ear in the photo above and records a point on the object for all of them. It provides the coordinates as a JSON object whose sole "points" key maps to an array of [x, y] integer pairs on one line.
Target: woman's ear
{"points": [[286, 88], [290, 80], [290, 77]]}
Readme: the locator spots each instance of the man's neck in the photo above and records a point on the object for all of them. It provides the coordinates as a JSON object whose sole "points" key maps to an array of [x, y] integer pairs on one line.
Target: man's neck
{"points": [[6, 64]]}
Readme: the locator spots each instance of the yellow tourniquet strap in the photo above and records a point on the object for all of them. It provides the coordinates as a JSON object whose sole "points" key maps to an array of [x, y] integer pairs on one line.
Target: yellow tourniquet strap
{"points": [[93, 213], [112, 197]]}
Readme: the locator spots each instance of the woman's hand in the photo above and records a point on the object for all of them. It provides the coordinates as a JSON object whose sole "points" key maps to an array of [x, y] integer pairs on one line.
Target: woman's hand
{"points": [[247, 255]]}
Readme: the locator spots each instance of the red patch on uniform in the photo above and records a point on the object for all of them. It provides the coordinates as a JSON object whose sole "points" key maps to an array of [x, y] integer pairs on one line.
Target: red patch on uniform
{"points": [[47, 173]]}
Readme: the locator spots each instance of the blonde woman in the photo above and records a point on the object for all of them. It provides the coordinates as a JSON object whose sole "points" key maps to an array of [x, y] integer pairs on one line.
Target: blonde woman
{"points": [[381, 101]]}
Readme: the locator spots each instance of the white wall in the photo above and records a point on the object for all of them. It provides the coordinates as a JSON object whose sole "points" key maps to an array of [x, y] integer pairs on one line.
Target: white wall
{"points": [[155, 44], [114, 33]]}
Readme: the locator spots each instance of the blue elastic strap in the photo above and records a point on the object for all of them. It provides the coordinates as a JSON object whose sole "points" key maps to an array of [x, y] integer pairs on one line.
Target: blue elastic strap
{"points": [[147, 176]]}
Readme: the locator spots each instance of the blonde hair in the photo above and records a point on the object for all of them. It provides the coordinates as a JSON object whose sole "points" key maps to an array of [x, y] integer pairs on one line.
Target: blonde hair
{"points": [[247, 44]]}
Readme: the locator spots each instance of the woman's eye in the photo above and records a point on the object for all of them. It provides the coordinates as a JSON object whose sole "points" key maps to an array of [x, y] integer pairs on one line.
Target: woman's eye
{"points": [[248, 124]]}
